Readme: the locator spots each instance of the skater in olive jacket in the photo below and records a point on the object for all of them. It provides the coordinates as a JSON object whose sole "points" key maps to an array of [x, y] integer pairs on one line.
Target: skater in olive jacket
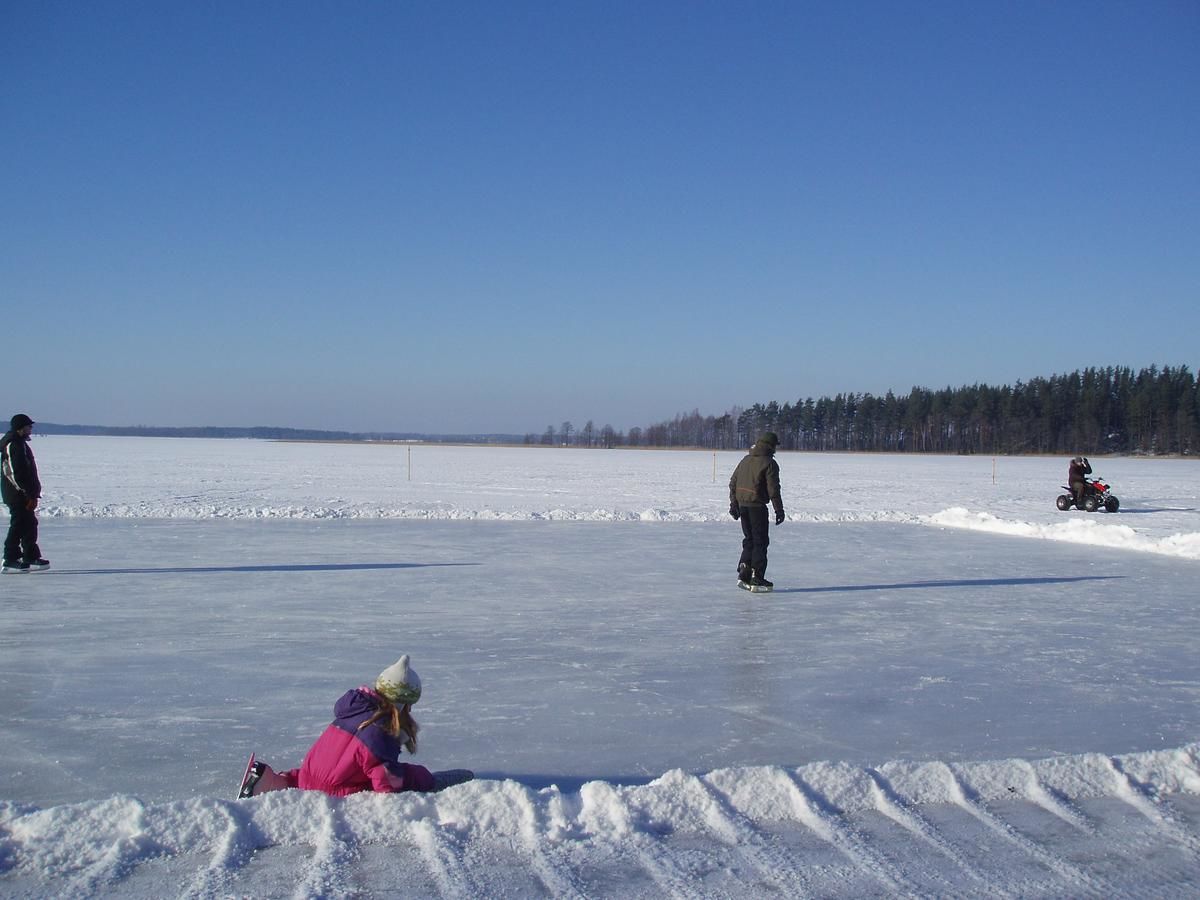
{"points": [[754, 484]]}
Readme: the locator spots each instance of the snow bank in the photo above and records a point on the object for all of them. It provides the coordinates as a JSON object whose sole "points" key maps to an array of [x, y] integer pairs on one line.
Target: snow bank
{"points": [[1095, 531], [80, 847], [301, 513]]}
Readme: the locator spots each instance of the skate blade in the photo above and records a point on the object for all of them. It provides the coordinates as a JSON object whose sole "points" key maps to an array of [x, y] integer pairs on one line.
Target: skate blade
{"points": [[246, 788], [754, 588]]}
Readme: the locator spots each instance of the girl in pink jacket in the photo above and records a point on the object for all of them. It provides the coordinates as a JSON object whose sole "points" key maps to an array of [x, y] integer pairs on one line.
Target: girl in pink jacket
{"points": [[360, 750]]}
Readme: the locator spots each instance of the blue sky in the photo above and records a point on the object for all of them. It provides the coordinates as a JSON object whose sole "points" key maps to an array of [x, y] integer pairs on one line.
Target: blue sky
{"points": [[462, 217]]}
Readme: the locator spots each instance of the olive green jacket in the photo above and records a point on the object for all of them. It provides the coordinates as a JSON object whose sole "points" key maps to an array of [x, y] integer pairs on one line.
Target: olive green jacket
{"points": [[755, 481]]}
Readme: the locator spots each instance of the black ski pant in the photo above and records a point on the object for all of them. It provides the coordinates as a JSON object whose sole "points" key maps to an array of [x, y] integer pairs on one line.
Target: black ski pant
{"points": [[755, 537], [21, 542]]}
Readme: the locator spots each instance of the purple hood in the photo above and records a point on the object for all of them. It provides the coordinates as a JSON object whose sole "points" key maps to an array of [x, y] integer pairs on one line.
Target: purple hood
{"points": [[352, 709]]}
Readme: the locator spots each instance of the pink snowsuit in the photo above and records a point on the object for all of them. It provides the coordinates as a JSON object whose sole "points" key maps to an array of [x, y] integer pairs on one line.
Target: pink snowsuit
{"points": [[345, 760]]}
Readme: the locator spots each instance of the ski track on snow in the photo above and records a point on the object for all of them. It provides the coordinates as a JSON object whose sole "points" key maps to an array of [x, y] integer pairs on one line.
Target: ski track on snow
{"points": [[898, 811], [962, 795]]}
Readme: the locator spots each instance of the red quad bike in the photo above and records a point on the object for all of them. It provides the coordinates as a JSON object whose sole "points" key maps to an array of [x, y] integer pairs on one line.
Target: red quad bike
{"points": [[1096, 495]]}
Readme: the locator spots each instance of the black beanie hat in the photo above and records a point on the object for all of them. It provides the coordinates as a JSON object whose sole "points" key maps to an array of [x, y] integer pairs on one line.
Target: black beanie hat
{"points": [[19, 421], [771, 438]]}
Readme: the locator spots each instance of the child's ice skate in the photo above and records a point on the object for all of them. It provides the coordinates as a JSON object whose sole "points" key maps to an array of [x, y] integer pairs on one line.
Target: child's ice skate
{"points": [[259, 779]]}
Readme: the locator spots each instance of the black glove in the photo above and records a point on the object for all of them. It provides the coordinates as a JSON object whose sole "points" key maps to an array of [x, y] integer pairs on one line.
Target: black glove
{"points": [[31, 504], [451, 777], [778, 516], [735, 510]]}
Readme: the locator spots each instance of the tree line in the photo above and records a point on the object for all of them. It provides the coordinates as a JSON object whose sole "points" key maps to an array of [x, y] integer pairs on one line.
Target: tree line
{"points": [[1096, 410]]}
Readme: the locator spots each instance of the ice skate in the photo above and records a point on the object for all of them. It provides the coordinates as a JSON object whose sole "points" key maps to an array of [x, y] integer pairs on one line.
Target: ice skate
{"points": [[259, 779], [756, 584]]}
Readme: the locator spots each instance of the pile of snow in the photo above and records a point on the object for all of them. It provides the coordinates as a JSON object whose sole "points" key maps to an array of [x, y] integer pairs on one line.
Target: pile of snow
{"points": [[1074, 530], [897, 829]]}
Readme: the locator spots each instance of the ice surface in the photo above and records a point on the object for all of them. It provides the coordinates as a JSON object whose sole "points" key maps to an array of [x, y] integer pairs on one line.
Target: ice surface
{"points": [[955, 689]]}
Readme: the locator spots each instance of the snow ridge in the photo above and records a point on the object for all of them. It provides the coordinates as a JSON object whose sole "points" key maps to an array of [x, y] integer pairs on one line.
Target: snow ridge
{"points": [[1099, 530], [976, 829], [1074, 530]]}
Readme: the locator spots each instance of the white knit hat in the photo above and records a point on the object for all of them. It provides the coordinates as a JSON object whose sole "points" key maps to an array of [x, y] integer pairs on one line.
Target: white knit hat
{"points": [[399, 683]]}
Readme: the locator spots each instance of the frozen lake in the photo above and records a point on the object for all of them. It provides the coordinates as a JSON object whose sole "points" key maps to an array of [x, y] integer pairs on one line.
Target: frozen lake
{"points": [[574, 618], [881, 642]]}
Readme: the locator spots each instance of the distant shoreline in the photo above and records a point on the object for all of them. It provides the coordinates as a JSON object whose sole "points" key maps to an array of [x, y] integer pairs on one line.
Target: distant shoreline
{"points": [[519, 443], [272, 433]]}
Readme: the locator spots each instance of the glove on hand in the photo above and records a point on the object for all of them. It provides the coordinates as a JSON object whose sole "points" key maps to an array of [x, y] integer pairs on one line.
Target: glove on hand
{"points": [[735, 510], [779, 517], [451, 777], [31, 504]]}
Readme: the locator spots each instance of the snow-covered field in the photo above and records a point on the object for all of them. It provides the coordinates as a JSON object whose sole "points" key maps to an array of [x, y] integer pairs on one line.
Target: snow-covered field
{"points": [[955, 690]]}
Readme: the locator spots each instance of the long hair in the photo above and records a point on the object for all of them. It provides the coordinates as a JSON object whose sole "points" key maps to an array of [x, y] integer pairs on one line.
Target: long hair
{"points": [[396, 721]]}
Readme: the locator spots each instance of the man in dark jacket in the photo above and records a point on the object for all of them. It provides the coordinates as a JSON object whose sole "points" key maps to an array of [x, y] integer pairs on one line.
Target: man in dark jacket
{"points": [[754, 484], [1076, 471], [21, 490]]}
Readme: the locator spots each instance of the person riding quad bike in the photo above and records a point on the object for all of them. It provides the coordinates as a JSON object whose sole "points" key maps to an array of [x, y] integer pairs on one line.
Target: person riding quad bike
{"points": [[1076, 472]]}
